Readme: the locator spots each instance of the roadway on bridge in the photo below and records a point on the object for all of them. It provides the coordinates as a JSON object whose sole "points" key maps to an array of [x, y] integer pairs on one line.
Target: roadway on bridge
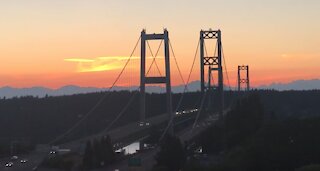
{"points": [[117, 135], [147, 157]]}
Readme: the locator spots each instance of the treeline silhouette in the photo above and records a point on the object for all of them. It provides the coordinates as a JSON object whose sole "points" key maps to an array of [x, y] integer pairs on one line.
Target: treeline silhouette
{"points": [[98, 153], [27, 121], [253, 139], [36, 120]]}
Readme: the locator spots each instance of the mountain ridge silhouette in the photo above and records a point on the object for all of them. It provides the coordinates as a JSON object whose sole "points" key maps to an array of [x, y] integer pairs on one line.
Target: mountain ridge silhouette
{"points": [[38, 91]]}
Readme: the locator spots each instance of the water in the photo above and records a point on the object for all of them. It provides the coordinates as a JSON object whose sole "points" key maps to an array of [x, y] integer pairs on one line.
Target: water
{"points": [[130, 149]]}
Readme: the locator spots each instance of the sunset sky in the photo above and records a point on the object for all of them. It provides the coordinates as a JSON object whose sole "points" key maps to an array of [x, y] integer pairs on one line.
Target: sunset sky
{"points": [[54, 43]]}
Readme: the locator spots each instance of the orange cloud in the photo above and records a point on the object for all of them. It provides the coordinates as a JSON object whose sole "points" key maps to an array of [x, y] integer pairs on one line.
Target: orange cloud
{"points": [[101, 63], [97, 64]]}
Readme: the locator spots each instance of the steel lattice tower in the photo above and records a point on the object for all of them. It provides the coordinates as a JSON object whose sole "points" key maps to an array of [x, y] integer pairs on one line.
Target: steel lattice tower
{"points": [[214, 63], [155, 80], [241, 80]]}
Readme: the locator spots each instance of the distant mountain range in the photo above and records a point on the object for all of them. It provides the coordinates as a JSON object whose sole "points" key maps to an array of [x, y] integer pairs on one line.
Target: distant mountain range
{"points": [[313, 84], [10, 92]]}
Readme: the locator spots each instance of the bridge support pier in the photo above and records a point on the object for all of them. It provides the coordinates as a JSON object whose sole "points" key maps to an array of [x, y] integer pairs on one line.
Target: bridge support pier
{"points": [[155, 80], [214, 63], [243, 80]]}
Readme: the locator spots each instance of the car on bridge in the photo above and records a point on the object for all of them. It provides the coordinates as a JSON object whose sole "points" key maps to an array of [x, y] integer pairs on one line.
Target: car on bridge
{"points": [[53, 152], [9, 164], [144, 124], [23, 160]]}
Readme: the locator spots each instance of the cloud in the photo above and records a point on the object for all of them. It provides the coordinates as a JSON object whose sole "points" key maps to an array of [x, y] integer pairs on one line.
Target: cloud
{"points": [[98, 67], [97, 64], [101, 63], [299, 56], [120, 58]]}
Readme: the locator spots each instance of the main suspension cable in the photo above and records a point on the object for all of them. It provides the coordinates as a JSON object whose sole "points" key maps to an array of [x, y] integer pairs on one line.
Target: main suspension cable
{"points": [[175, 59], [225, 66], [185, 89], [132, 98], [199, 112], [98, 102]]}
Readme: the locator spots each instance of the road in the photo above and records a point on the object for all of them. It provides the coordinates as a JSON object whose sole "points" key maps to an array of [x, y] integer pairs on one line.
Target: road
{"points": [[147, 157], [33, 160], [121, 133], [117, 135]]}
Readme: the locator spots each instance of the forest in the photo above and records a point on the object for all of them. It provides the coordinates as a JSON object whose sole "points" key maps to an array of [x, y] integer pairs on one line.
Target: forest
{"points": [[256, 136], [28, 121]]}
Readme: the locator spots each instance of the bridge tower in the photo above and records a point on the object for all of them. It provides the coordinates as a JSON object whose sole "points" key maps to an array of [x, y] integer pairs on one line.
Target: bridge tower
{"points": [[155, 80], [214, 64], [245, 80]]}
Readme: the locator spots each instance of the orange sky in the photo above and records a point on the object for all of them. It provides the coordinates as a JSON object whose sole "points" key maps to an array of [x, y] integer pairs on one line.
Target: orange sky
{"points": [[86, 43]]}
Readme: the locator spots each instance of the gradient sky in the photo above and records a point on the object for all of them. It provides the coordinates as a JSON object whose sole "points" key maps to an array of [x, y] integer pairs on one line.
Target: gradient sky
{"points": [[54, 43]]}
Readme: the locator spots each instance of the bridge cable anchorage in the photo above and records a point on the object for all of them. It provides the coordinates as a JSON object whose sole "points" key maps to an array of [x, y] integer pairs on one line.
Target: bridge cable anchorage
{"points": [[98, 102], [154, 57], [185, 90], [176, 62]]}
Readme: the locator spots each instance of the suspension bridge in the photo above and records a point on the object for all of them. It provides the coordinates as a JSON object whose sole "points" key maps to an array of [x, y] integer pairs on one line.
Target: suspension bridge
{"points": [[212, 69]]}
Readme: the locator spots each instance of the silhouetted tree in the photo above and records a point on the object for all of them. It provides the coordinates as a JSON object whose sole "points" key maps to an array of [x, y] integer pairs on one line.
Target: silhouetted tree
{"points": [[98, 153], [154, 135], [211, 139], [108, 154], [243, 120], [88, 157], [171, 155], [313, 167], [40, 119]]}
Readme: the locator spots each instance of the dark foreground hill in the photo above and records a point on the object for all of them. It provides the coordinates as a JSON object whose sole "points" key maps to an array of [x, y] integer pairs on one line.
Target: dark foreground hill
{"points": [[250, 140], [39, 120]]}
